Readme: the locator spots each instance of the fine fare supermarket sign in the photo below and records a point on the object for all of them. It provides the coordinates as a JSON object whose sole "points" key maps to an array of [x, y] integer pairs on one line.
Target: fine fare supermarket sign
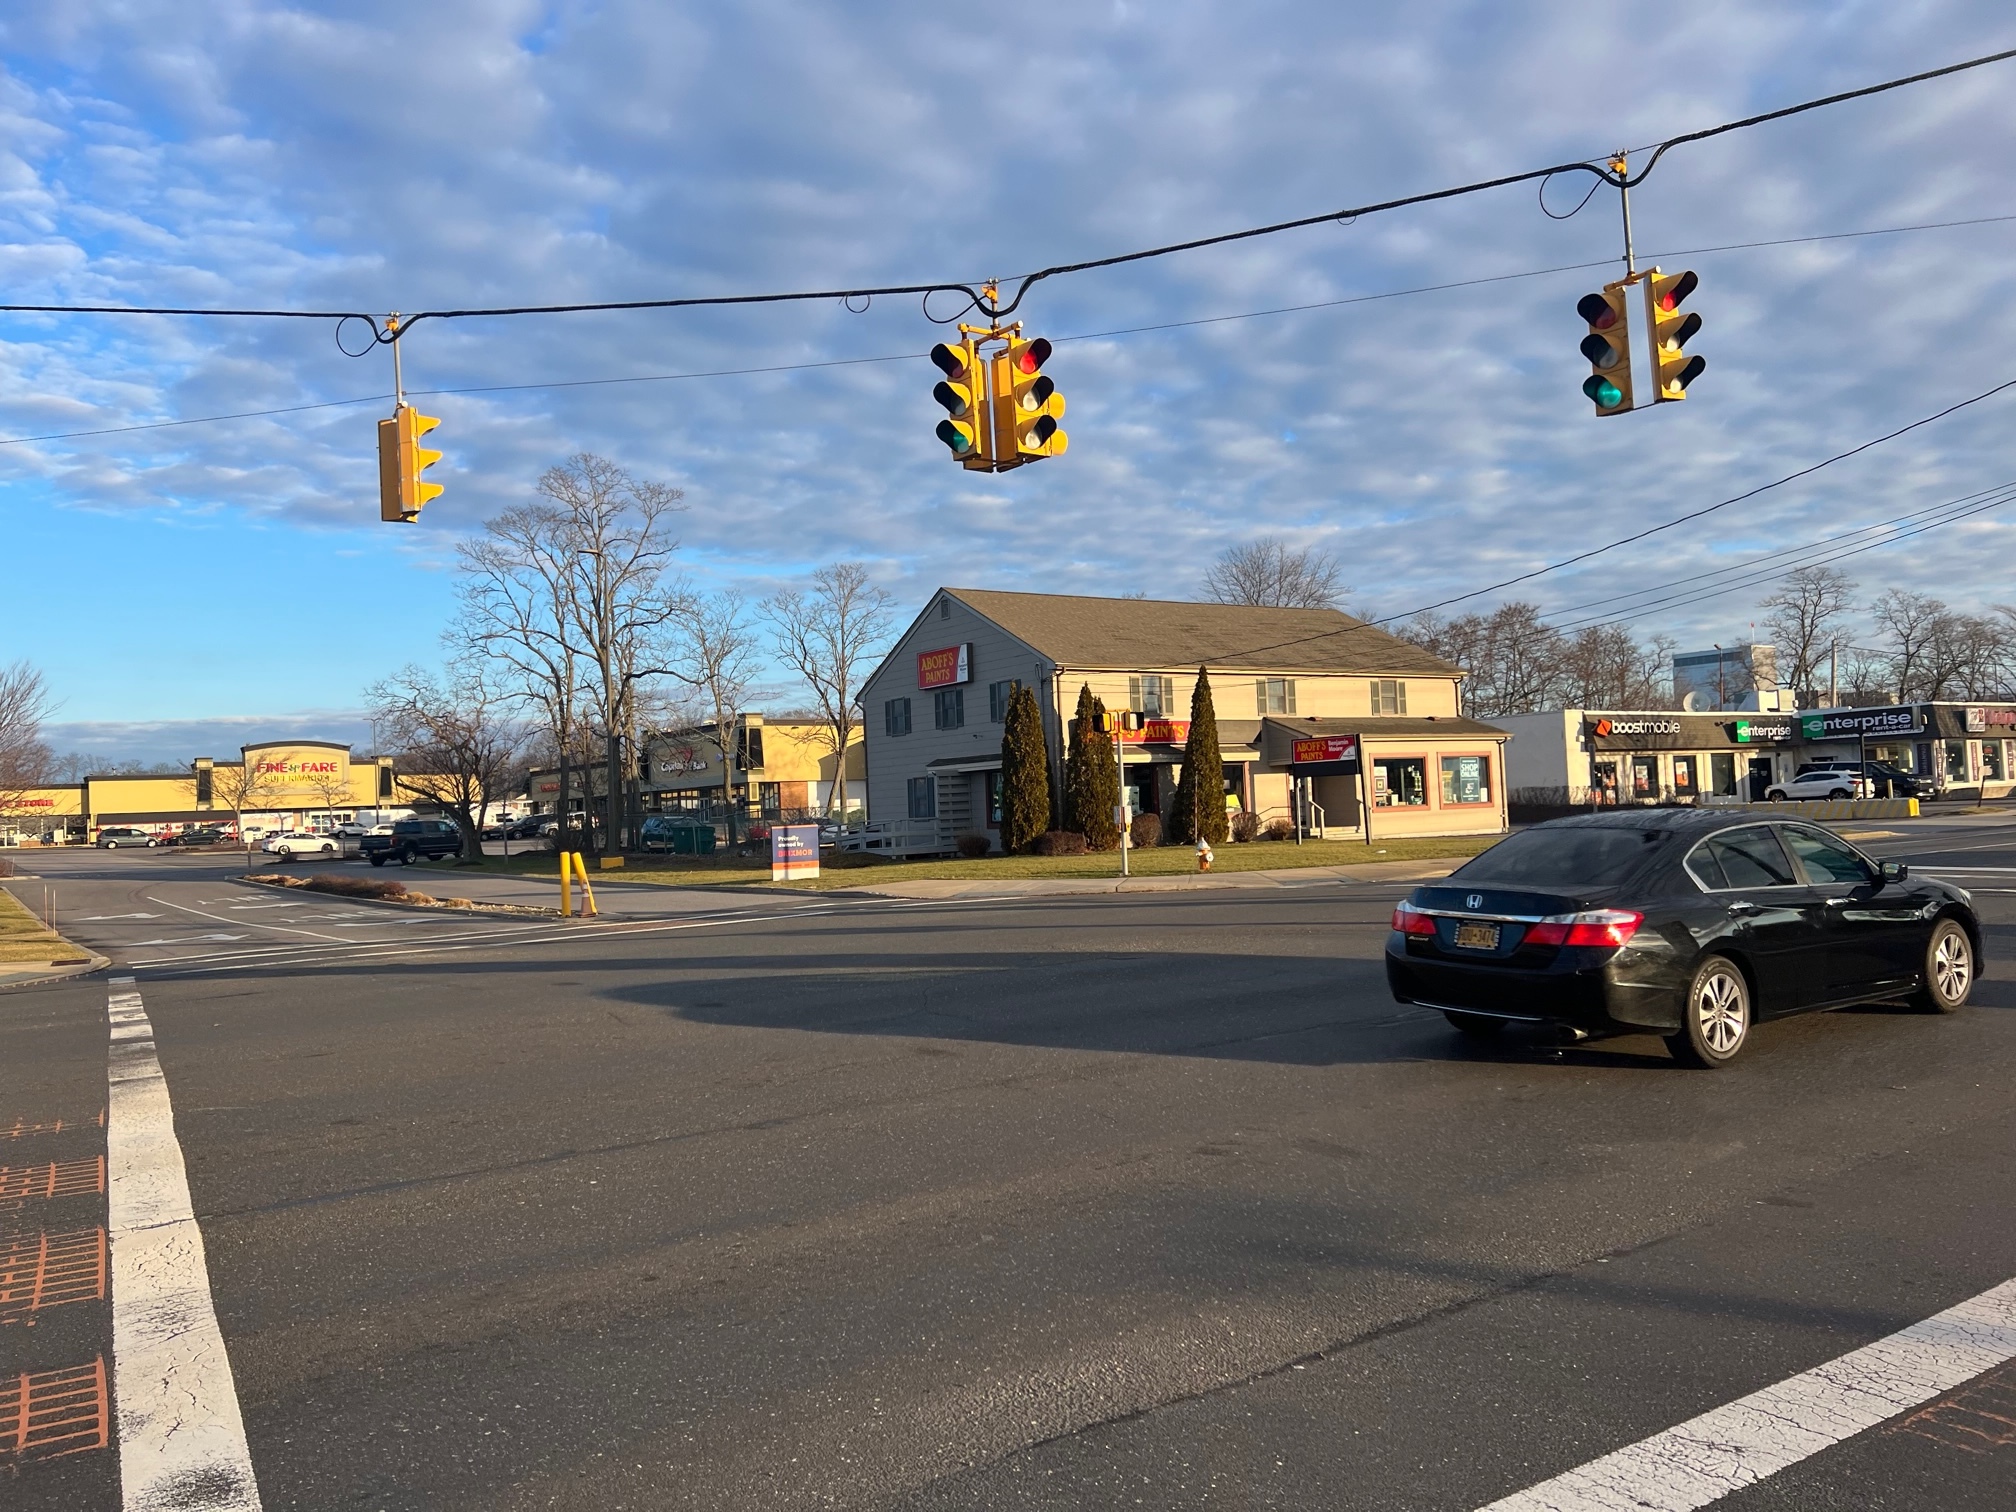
{"points": [[946, 667]]}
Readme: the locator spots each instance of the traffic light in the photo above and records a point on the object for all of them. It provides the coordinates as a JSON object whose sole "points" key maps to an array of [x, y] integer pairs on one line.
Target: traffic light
{"points": [[1608, 348], [962, 395], [401, 460], [1037, 404], [1672, 368]]}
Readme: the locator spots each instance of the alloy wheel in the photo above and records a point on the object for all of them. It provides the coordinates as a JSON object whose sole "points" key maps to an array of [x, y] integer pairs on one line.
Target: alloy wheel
{"points": [[1721, 1013], [1952, 965]]}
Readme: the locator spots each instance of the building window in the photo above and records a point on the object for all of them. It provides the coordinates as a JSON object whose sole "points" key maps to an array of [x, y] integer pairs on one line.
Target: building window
{"points": [[749, 748], [993, 800], [1465, 780], [1685, 777], [1274, 695], [896, 717], [923, 798], [204, 787], [998, 695], [1400, 782], [770, 798], [944, 608], [1722, 774], [948, 708], [1388, 696], [1991, 760], [384, 782], [1645, 777], [1152, 696]]}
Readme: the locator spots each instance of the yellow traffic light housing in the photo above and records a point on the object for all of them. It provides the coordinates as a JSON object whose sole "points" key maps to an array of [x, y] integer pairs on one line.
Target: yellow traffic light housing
{"points": [[401, 460], [1608, 348], [1669, 331], [963, 395], [1035, 405]]}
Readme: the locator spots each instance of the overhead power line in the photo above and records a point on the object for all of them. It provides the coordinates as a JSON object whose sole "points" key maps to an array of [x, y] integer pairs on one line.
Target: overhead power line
{"points": [[1167, 325], [983, 299]]}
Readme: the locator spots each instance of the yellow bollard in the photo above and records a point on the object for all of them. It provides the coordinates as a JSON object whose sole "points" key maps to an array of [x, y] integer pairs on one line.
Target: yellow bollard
{"points": [[566, 884]]}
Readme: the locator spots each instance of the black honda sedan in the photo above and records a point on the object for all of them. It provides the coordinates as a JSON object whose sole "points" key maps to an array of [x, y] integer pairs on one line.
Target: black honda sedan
{"points": [[1691, 923]]}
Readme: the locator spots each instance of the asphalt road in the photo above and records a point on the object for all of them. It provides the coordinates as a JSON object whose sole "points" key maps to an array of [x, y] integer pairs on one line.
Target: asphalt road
{"points": [[1147, 1199]]}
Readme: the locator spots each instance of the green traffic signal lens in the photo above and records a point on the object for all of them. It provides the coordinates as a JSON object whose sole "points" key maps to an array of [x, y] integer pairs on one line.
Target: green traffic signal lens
{"points": [[960, 442], [1606, 394]]}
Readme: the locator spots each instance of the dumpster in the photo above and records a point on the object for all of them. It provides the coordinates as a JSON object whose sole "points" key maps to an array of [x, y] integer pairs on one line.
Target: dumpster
{"points": [[678, 834]]}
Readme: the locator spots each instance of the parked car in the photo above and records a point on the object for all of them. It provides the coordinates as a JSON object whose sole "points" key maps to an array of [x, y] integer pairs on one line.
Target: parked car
{"points": [[114, 838], [1885, 780], [532, 827], [411, 839], [1827, 782], [288, 845], [1688, 923], [201, 835]]}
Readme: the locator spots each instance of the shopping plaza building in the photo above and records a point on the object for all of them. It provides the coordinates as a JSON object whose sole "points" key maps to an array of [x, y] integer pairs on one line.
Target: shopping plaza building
{"points": [[1315, 710], [276, 785]]}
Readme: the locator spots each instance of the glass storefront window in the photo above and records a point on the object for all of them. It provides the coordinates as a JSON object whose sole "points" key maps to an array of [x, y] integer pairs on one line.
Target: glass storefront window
{"points": [[1686, 783], [1644, 776], [1605, 791], [1991, 761], [1956, 761], [1399, 782], [1722, 774], [1465, 779]]}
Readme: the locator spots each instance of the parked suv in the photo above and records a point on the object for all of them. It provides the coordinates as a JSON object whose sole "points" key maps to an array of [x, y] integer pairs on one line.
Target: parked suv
{"points": [[112, 839], [1885, 780], [410, 840]]}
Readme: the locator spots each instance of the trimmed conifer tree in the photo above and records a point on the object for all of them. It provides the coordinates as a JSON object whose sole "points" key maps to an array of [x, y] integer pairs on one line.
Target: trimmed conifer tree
{"points": [[1025, 773], [1102, 785], [1200, 786]]}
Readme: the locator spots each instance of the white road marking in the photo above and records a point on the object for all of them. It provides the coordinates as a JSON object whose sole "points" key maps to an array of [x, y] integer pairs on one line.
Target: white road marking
{"points": [[253, 923], [1737, 1445], [183, 940], [107, 918], [181, 1439]]}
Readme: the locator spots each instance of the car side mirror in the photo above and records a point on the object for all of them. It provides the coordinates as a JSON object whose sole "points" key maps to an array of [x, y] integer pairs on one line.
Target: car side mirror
{"points": [[1895, 871]]}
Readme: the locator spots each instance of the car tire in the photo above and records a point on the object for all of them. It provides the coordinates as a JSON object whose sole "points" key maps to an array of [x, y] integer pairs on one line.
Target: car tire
{"points": [[1715, 1019], [1775, 797], [1840, 793], [1477, 1026], [377, 860], [408, 856], [152, 843], [1949, 968]]}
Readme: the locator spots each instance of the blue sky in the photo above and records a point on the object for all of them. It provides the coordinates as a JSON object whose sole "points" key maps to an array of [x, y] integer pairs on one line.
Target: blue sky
{"points": [[410, 155]]}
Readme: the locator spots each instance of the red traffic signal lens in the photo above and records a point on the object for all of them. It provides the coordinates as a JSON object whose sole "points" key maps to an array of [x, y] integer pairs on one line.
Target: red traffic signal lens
{"points": [[951, 360], [1032, 357], [1597, 310], [1606, 394], [1677, 291], [1599, 352]]}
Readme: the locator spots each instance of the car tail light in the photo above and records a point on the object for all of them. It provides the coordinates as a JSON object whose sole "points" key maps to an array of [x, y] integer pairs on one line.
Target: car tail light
{"points": [[1409, 920], [1605, 927]]}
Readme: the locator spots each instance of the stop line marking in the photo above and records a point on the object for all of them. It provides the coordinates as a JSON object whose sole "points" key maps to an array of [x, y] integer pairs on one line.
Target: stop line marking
{"points": [[181, 1436], [1753, 1438]]}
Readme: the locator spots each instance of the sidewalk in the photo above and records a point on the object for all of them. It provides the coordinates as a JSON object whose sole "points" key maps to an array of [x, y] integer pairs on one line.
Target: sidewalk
{"points": [[614, 899], [30, 953], [1039, 887]]}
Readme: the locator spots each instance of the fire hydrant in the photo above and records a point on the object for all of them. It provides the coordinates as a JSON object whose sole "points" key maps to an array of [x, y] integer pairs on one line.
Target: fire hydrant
{"points": [[1203, 854]]}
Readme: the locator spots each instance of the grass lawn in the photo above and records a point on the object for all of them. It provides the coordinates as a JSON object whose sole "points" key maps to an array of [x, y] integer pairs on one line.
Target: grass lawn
{"points": [[22, 937], [854, 871]]}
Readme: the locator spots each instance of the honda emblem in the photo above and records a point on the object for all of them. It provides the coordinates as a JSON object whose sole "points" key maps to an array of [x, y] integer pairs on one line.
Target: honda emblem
{"points": [[1475, 900]]}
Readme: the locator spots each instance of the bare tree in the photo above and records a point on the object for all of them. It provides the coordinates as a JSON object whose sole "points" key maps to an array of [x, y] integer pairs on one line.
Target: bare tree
{"points": [[715, 646], [1911, 626], [832, 637], [1271, 573], [24, 759], [1606, 667], [461, 743], [244, 789], [1806, 618]]}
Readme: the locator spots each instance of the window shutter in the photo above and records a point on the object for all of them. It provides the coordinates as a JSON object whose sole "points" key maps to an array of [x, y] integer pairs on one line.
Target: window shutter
{"points": [[1290, 686], [1259, 695]]}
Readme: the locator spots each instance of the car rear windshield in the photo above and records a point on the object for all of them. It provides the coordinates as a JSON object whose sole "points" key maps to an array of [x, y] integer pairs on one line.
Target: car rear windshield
{"points": [[1571, 855]]}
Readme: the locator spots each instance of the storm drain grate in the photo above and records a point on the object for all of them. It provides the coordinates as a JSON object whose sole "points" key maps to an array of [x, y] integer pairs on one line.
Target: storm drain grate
{"points": [[22, 1129], [38, 1271], [1979, 1418], [55, 1413], [59, 1178]]}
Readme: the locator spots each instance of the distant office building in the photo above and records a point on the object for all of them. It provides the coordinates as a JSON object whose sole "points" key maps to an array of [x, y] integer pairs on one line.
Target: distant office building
{"points": [[1743, 676]]}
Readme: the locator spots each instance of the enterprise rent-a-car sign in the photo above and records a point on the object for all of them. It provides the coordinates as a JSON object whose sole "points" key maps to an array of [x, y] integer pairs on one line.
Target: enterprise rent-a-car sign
{"points": [[1839, 724]]}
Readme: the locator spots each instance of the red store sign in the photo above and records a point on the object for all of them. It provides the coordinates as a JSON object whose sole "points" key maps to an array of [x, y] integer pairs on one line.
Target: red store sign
{"points": [[1326, 748], [946, 667]]}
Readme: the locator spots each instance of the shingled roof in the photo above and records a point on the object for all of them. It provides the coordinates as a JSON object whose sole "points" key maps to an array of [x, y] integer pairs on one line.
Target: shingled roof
{"points": [[1129, 634]]}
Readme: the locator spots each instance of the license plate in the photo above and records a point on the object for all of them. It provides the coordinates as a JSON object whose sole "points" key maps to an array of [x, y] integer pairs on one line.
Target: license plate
{"points": [[1477, 936]]}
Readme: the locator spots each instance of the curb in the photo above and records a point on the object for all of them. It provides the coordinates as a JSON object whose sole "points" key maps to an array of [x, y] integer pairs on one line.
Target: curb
{"points": [[59, 974], [495, 911]]}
